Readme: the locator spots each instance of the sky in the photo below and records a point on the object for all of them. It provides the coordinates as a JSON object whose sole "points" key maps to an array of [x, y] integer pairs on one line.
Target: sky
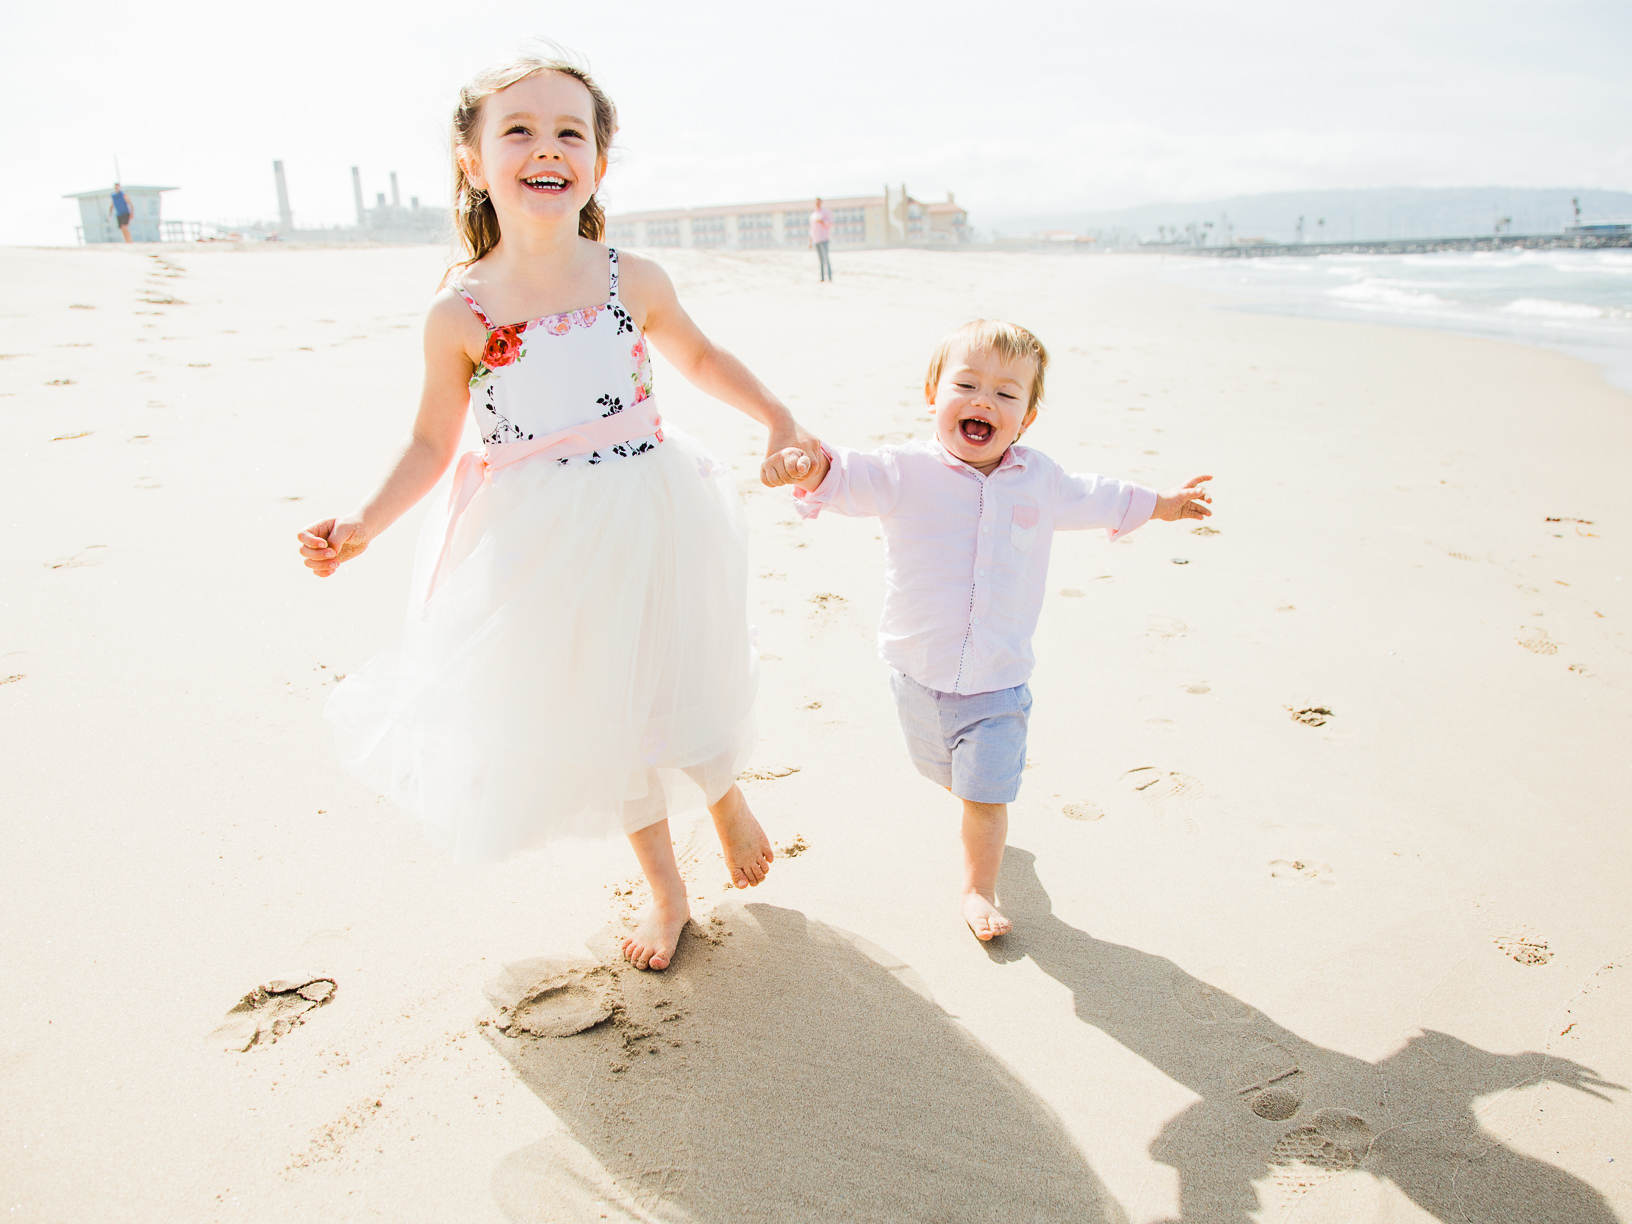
{"points": [[1020, 109]]}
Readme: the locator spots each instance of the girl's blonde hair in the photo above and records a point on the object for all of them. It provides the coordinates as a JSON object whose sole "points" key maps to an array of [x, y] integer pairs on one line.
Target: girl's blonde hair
{"points": [[1009, 341], [474, 220]]}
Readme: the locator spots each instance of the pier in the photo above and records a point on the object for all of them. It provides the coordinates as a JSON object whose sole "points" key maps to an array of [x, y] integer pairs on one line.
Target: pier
{"points": [[1609, 236]]}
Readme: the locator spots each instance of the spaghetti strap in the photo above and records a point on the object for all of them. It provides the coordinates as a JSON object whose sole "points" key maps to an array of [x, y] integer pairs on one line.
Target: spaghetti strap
{"points": [[612, 253], [459, 286]]}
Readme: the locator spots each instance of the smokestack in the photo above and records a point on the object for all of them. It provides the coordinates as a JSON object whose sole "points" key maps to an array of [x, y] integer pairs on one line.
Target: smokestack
{"points": [[357, 194], [396, 200], [286, 219]]}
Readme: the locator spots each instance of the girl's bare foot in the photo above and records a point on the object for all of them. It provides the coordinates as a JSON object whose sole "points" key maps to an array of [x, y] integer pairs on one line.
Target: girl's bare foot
{"points": [[984, 918], [656, 935], [747, 850]]}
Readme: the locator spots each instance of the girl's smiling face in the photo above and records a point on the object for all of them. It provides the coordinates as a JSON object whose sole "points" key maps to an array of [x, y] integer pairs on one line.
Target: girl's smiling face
{"points": [[980, 405], [536, 157]]}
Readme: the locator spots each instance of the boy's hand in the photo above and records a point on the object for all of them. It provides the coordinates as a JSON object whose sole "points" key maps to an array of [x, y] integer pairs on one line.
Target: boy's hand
{"points": [[804, 465], [787, 444], [1189, 500], [323, 546]]}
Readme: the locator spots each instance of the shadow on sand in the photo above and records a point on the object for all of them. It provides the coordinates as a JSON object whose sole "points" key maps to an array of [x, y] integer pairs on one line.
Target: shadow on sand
{"points": [[1289, 1115], [782, 1070]]}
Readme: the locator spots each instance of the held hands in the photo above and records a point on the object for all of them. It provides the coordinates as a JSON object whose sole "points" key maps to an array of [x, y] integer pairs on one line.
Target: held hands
{"points": [[1189, 500], [323, 546], [793, 457]]}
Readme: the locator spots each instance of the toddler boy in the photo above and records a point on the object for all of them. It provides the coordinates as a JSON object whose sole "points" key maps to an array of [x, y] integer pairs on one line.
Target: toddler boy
{"points": [[968, 518]]}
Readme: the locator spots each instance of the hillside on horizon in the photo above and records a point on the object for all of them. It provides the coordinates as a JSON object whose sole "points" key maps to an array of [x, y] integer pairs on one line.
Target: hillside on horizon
{"points": [[1356, 215]]}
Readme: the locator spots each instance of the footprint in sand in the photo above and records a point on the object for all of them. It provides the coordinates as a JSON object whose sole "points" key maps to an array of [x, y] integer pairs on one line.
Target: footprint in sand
{"points": [[1536, 641], [1526, 949], [1083, 811], [1271, 1081], [1308, 1157], [1160, 785], [1208, 1006], [1166, 627], [767, 773], [558, 1004], [1310, 716], [272, 1011], [1301, 871]]}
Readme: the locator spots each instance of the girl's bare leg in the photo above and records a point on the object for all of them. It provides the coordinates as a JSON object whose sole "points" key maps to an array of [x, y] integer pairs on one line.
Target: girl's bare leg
{"points": [[658, 930], [985, 832], [747, 850]]}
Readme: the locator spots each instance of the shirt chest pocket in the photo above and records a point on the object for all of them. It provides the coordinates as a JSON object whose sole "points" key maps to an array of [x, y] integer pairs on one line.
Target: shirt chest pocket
{"points": [[1023, 528]]}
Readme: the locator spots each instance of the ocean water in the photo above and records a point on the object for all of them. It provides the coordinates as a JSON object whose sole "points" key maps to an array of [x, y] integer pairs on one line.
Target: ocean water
{"points": [[1577, 301]]}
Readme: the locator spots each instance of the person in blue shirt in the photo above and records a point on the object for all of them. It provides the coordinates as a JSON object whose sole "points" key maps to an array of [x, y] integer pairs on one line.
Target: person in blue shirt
{"points": [[121, 211]]}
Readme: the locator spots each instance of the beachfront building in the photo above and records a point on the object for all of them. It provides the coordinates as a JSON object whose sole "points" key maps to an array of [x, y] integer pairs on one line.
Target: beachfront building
{"points": [[96, 223], [891, 219]]}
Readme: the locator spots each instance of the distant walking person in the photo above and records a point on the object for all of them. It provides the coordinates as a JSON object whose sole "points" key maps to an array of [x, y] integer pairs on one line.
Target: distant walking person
{"points": [[821, 229], [120, 210]]}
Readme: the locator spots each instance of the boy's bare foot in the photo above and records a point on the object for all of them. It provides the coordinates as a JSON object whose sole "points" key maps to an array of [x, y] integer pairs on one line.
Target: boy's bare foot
{"points": [[984, 918], [747, 850], [656, 935]]}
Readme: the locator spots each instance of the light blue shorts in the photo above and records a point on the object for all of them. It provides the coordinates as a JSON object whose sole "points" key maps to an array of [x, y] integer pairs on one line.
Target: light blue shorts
{"points": [[974, 743]]}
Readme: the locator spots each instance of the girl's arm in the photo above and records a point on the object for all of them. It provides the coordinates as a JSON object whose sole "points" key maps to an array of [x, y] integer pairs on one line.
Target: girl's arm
{"points": [[452, 334], [708, 367]]}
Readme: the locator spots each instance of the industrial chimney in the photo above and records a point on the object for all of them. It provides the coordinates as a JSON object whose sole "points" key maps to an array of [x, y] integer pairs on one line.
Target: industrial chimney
{"points": [[396, 200], [357, 194], [286, 219]]}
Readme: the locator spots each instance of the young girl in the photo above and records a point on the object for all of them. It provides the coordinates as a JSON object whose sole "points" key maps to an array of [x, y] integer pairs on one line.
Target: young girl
{"points": [[577, 637]]}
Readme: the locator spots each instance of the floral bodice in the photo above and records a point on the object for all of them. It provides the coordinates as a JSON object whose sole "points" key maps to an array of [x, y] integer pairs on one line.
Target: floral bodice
{"points": [[560, 370]]}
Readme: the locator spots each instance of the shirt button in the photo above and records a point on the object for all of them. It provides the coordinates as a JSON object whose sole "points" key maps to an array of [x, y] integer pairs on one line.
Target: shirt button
{"points": [[986, 527], [981, 573], [977, 620]]}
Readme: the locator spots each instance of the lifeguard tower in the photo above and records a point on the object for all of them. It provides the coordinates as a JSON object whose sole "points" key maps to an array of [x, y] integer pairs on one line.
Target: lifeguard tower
{"points": [[96, 223]]}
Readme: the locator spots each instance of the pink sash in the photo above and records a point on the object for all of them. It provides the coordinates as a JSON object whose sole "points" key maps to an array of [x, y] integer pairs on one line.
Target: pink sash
{"points": [[477, 466]]}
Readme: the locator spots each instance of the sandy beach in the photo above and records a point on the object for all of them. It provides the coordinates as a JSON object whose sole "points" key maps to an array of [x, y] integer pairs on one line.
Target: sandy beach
{"points": [[1318, 873]]}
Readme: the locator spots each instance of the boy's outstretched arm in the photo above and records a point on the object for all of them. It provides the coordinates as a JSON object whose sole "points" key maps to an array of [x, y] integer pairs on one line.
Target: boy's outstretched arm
{"points": [[1189, 500]]}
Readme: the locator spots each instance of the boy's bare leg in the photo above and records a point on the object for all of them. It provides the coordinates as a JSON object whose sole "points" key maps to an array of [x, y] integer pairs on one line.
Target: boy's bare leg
{"points": [[985, 832], [658, 930], [747, 850]]}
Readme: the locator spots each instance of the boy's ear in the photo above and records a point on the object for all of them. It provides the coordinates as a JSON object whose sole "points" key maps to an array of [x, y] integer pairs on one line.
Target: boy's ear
{"points": [[1031, 415], [929, 396]]}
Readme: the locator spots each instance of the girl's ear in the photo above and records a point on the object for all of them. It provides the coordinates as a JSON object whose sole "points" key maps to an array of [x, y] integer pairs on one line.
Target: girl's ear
{"points": [[600, 169], [929, 397], [471, 167]]}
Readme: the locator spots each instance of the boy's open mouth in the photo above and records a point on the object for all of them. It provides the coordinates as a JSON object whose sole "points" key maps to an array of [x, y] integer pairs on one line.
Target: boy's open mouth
{"points": [[974, 431], [548, 184]]}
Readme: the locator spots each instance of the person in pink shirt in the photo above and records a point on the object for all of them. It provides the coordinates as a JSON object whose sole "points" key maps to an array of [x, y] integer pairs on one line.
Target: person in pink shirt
{"points": [[968, 518], [821, 230]]}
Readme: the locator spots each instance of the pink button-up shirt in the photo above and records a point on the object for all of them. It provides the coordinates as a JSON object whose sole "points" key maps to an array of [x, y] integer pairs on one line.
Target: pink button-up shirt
{"points": [[966, 555]]}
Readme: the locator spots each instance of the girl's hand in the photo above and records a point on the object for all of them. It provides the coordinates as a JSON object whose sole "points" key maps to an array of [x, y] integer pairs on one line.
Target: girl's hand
{"points": [[1189, 500], [323, 546]]}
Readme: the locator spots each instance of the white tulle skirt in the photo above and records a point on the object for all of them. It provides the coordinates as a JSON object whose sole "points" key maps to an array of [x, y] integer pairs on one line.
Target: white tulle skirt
{"points": [[584, 666]]}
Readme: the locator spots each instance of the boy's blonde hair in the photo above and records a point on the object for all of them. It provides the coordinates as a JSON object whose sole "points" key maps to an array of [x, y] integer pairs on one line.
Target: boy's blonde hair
{"points": [[1009, 341]]}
